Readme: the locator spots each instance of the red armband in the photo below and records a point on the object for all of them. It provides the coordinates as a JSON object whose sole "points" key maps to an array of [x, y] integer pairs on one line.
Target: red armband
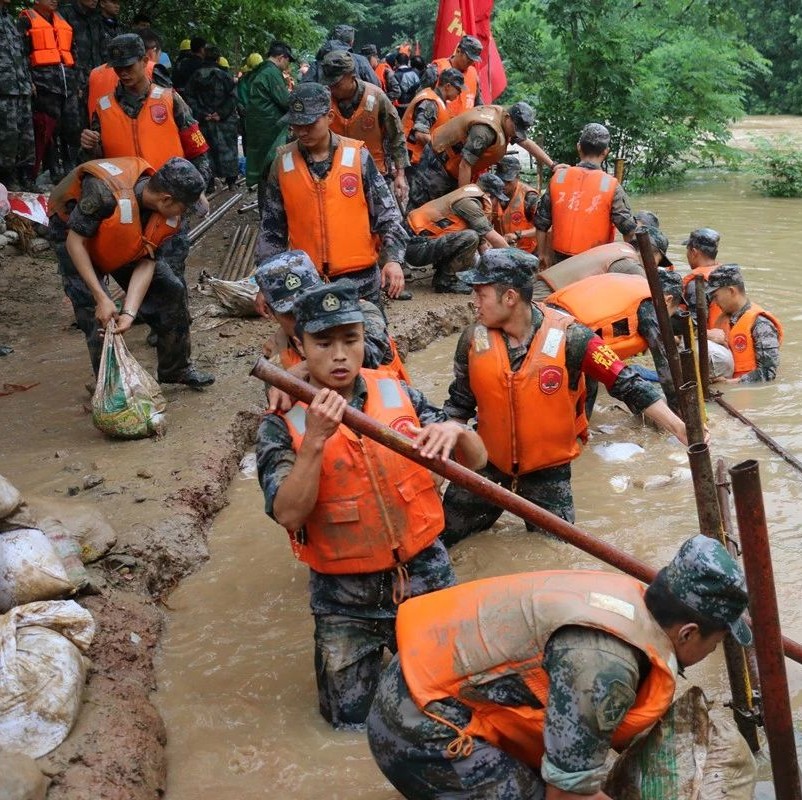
{"points": [[193, 141], [601, 362]]}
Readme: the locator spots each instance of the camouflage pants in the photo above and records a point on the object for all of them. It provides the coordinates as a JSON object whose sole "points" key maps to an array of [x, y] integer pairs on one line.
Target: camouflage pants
{"points": [[164, 309], [355, 623], [467, 513], [428, 180], [368, 284], [16, 134], [410, 749], [222, 139], [448, 253]]}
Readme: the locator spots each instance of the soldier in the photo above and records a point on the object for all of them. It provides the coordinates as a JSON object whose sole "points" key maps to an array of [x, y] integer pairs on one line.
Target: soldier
{"points": [[211, 94], [518, 686], [364, 519], [326, 197], [51, 56], [753, 334], [387, 80], [467, 53], [186, 66], [467, 145], [16, 128], [515, 220], [449, 231], [342, 38], [362, 111], [110, 17], [116, 216], [583, 205], [408, 81], [520, 370], [701, 249], [89, 40]]}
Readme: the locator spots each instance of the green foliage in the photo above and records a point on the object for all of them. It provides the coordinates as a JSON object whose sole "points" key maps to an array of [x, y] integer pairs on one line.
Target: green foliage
{"points": [[777, 166]]}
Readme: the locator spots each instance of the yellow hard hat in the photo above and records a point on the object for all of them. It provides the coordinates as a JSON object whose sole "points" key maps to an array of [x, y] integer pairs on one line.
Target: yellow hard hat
{"points": [[253, 60], [185, 45], [222, 62]]}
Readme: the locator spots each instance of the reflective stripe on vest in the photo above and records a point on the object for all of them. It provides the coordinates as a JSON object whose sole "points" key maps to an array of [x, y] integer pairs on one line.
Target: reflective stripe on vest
{"points": [[364, 125], [513, 218], [120, 239], [741, 342], [375, 509], [328, 218], [454, 641], [408, 120], [595, 261], [608, 304], [51, 42], [437, 216], [449, 139], [152, 135], [103, 80], [581, 200], [529, 419]]}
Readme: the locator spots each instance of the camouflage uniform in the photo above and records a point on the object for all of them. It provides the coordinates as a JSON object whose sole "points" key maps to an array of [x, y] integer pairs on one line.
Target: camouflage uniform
{"points": [[89, 39], [16, 133], [165, 306], [594, 678], [339, 41], [354, 613]]}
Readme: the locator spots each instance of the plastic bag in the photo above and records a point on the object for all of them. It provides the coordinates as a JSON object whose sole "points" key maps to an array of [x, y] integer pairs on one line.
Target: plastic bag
{"points": [[9, 497], [30, 569], [236, 297], [42, 674], [127, 403]]}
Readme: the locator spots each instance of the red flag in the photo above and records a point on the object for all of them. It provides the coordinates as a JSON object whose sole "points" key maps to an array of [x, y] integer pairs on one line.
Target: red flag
{"points": [[456, 18]]}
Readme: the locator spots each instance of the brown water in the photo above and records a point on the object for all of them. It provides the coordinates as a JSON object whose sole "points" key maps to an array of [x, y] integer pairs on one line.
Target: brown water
{"points": [[236, 684]]}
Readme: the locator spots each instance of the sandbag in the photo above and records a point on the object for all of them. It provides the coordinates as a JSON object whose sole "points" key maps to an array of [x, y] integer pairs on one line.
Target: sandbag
{"points": [[20, 778], [688, 755], [10, 498], [42, 674], [30, 569], [236, 297], [127, 403]]}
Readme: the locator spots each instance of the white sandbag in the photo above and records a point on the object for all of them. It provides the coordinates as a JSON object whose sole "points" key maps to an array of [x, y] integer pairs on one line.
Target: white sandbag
{"points": [[9, 497], [236, 297], [20, 778], [30, 569], [730, 772], [42, 674]]}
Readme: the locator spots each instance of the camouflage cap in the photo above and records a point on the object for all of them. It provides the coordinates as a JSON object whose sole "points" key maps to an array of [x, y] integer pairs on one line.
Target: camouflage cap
{"points": [[658, 239], [181, 180], [705, 577], [471, 46], [523, 116], [671, 283], [703, 239], [490, 183], [452, 76], [344, 33], [502, 265], [723, 276], [594, 135], [647, 218], [336, 65], [508, 168], [369, 50], [125, 49], [284, 276], [327, 306], [308, 103]]}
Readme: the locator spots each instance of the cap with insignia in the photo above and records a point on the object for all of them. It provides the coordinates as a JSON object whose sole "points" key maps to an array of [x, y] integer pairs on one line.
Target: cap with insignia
{"points": [[471, 46], [722, 277], [328, 306], [491, 184], [706, 578], [502, 265], [335, 66], [125, 49], [284, 276], [308, 102], [508, 168]]}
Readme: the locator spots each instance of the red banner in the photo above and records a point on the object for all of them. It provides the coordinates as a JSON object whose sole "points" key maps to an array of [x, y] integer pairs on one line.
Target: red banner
{"points": [[456, 18]]}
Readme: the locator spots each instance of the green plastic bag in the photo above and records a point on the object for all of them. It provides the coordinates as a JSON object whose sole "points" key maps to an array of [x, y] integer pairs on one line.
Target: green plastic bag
{"points": [[127, 403]]}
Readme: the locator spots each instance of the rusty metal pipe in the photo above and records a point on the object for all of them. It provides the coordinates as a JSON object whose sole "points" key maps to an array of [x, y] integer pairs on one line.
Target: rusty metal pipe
{"points": [[230, 252], [683, 317], [212, 218], [766, 628], [689, 408], [701, 327], [688, 365], [704, 489]]}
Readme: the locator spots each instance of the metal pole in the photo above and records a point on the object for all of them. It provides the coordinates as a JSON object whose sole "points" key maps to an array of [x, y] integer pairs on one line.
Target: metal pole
{"points": [[704, 488], [689, 407], [766, 629], [683, 317], [688, 366], [231, 248], [701, 327]]}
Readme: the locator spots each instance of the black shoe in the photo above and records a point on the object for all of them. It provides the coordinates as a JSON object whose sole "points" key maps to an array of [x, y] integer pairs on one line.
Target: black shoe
{"points": [[452, 287], [191, 377]]}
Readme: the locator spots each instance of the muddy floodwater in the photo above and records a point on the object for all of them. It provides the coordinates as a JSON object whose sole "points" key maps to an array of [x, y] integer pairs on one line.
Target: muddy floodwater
{"points": [[236, 684]]}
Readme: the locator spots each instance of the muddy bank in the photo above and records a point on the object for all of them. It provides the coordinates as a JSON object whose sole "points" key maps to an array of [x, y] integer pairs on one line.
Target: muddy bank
{"points": [[160, 495]]}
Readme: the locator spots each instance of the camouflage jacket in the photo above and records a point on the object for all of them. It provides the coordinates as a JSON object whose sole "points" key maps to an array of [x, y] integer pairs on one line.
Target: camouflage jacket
{"points": [[13, 59], [211, 90], [89, 37]]}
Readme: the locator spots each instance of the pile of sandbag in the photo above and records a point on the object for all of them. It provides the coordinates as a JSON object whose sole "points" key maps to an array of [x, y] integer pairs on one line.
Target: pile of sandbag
{"points": [[43, 637]]}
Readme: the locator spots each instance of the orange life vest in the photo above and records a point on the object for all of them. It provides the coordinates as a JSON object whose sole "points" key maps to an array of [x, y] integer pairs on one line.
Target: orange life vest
{"points": [[596, 261], [467, 97], [120, 239], [51, 42], [513, 218], [328, 218], [608, 304], [452, 641], [381, 70], [408, 120], [581, 200], [153, 135], [529, 419], [740, 338], [364, 125], [714, 312], [437, 216], [104, 80], [375, 509], [448, 139]]}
